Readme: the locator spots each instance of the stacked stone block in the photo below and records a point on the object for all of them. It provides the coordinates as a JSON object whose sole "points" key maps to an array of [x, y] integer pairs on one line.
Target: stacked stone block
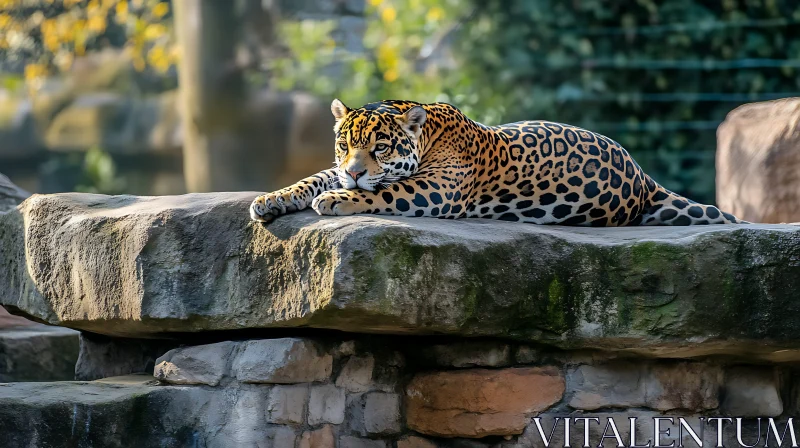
{"points": [[341, 394]]}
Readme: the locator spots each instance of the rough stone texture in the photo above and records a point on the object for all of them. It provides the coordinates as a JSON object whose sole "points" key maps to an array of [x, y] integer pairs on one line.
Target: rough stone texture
{"points": [[29, 351], [287, 404], [478, 402], [206, 364], [751, 392], [468, 354], [415, 442], [102, 357], [282, 361], [37, 353], [447, 405], [684, 385], [526, 355], [281, 436], [382, 414], [123, 412], [356, 442], [374, 414], [758, 161], [326, 404], [319, 438], [612, 385], [202, 265], [356, 375], [664, 386]]}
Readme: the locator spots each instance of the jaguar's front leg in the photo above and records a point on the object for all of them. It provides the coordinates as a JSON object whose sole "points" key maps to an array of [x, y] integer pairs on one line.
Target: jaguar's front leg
{"points": [[296, 197], [415, 196]]}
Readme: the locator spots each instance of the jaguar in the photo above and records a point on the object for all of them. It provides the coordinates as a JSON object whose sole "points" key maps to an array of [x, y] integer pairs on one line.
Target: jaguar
{"points": [[430, 160]]}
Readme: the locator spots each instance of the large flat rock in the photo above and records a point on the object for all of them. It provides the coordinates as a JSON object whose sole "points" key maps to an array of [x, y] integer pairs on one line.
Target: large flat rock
{"points": [[130, 411], [38, 353], [159, 266]]}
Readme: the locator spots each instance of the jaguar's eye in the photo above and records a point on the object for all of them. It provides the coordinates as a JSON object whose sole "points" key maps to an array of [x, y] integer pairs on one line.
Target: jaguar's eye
{"points": [[381, 147], [343, 146]]}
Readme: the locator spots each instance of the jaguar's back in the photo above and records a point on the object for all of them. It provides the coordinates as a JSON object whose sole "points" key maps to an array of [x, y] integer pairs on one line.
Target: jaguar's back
{"points": [[411, 159]]}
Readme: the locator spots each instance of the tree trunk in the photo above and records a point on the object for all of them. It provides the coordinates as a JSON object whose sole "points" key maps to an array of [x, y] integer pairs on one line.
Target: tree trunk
{"points": [[225, 146]]}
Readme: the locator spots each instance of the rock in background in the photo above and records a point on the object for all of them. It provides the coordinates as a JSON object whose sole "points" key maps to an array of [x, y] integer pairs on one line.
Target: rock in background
{"points": [[758, 162]]}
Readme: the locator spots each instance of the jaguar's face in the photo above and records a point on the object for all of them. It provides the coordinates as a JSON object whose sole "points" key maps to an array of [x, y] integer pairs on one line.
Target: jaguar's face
{"points": [[376, 144]]}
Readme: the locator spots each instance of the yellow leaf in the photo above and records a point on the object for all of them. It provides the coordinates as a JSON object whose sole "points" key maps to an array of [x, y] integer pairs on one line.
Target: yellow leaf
{"points": [[435, 14], [34, 71], [389, 14], [390, 75], [97, 24], [51, 42], [48, 26], [5, 19], [160, 10], [155, 31], [121, 12], [387, 55], [375, 2]]}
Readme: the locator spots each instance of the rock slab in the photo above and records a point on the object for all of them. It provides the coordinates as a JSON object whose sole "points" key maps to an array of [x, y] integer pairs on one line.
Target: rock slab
{"points": [[270, 361], [160, 266], [479, 402], [758, 161], [37, 353]]}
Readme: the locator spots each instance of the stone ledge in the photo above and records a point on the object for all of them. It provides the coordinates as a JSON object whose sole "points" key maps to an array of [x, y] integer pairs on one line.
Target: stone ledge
{"points": [[37, 353], [157, 266]]}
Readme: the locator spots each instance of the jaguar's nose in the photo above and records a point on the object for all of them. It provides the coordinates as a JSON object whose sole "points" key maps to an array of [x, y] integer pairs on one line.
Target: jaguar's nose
{"points": [[356, 174]]}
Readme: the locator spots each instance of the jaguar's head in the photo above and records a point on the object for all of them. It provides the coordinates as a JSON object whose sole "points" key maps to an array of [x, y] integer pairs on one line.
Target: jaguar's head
{"points": [[377, 144]]}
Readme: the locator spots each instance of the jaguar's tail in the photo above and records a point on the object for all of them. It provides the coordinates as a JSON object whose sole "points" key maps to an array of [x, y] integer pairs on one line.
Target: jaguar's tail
{"points": [[666, 208]]}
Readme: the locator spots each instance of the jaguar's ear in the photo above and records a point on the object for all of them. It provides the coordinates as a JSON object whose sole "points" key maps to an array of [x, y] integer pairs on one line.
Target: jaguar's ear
{"points": [[339, 110], [412, 120]]}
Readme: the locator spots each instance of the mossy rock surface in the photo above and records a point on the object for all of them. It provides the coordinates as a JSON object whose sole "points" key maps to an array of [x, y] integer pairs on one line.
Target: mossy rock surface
{"points": [[162, 266]]}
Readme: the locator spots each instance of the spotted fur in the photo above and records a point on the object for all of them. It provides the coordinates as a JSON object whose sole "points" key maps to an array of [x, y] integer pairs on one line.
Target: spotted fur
{"points": [[411, 159]]}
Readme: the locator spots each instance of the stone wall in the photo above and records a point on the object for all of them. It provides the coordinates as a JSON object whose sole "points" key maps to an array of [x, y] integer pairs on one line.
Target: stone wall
{"points": [[351, 391], [386, 392]]}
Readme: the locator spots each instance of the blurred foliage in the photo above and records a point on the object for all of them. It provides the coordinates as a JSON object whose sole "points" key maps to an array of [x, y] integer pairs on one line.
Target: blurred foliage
{"points": [[593, 63], [47, 35], [99, 174], [405, 55], [650, 74]]}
